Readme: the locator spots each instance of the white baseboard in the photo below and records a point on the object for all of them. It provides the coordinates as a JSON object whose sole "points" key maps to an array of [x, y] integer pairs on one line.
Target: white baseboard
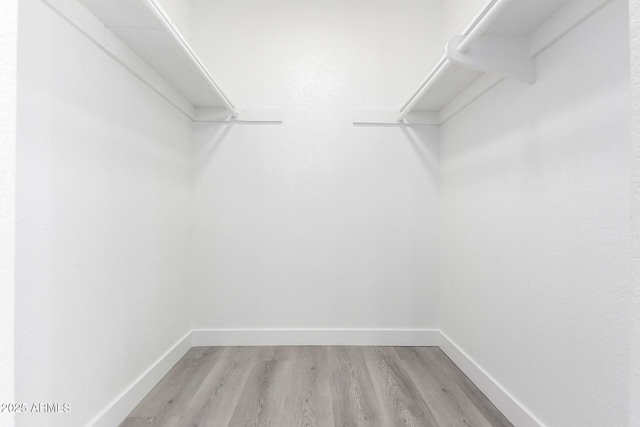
{"points": [[125, 402], [259, 337], [497, 394]]}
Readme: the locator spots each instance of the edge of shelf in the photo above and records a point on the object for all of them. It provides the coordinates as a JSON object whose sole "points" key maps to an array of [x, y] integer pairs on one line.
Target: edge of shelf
{"points": [[85, 21], [130, 22], [245, 115], [163, 19], [563, 20], [382, 117]]}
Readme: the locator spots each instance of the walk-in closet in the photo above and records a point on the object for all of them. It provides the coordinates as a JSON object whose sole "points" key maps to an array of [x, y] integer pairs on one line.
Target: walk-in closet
{"points": [[320, 213]]}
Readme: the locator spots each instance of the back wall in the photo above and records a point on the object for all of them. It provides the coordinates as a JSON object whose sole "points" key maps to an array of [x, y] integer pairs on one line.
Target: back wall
{"points": [[316, 223]]}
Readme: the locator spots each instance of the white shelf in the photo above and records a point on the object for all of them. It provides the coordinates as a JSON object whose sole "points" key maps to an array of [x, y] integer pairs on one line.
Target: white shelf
{"points": [[501, 42], [147, 30], [140, 35]]}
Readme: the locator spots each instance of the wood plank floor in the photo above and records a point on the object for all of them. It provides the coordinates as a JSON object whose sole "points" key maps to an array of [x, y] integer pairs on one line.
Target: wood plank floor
{"points": [[315, 386]]}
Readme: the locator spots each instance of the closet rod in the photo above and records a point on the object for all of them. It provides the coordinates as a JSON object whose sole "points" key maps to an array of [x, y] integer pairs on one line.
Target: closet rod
{"points": [[426, 84], [163, 19], [482, 22]]}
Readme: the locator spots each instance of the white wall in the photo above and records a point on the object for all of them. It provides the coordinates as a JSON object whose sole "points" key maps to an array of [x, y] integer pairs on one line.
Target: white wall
{"points": [[103, 236], [316, 223], [8, 65], [634, 371], [536, 259]]}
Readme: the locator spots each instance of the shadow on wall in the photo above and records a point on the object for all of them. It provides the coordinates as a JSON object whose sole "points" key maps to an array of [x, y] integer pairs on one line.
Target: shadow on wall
{"points": [[425, 146], [422, 142], [533, 131], [206, 146], [210, 139]]}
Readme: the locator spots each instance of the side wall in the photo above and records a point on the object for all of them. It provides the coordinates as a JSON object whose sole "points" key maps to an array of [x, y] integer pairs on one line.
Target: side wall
{"points": [[103, 232], [316, 223], [536, 256], [8, 70], [634, 372]]}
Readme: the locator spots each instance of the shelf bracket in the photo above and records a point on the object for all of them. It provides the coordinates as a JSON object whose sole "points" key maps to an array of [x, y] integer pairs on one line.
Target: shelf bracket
{"points": [[505, 56], [245, 115], [374, 117]]}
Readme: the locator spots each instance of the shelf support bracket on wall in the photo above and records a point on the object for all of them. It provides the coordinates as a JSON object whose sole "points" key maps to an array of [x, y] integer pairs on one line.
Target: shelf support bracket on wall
{"points": [[372, 117], [245, 115], [505, 56]]}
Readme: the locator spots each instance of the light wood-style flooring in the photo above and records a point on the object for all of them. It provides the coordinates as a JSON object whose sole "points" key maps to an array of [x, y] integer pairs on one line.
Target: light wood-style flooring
{"points": [[315, 386]]}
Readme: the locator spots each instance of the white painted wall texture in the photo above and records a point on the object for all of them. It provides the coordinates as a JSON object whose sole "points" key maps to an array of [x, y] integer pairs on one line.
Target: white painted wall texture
{"points": [[103, 235], [8, 75], [634, 371], [536, 256], [316, 223]]}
